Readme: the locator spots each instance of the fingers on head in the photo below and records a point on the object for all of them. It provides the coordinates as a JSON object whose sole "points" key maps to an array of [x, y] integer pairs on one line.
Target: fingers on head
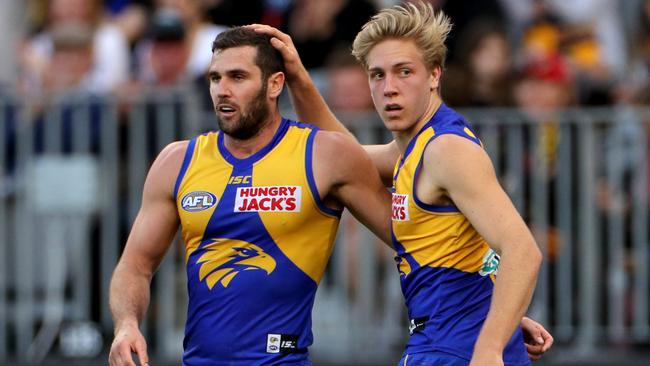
{"points": [[277, 42]]}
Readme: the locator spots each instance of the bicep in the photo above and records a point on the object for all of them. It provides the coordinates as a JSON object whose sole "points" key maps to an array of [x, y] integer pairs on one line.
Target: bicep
{"points": [[489, 209], [157, 220], [344, 172], [151, 235], [363, 193], [467, 176]]}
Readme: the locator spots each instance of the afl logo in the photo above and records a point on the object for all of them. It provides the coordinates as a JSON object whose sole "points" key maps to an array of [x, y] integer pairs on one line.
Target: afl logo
{"points": [[198, 201]]}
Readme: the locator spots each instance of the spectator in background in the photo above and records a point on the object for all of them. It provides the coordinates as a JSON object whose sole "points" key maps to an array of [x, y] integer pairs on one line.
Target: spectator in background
{"points": [[132, 22], [347, 85], [463, 14], [319, 27], [70, 65], [177, 48], [544, 89], [199, 33], [164, 54], [11, 30], [632, 87], [110, 53], [481, 74], [586, 32]]}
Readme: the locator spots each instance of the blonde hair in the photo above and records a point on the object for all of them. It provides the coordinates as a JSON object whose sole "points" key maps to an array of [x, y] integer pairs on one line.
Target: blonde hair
{"points": [[418, 22]]}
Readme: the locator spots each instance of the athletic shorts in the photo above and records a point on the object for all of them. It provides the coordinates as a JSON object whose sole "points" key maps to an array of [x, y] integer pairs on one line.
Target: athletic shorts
{"points": [[432, 359]]}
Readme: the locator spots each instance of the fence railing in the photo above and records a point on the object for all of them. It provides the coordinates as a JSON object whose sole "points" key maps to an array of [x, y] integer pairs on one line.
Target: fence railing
{"points": [[72, 173]]}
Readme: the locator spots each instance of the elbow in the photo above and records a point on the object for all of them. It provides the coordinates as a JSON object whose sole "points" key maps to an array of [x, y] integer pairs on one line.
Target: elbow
{"points": [[527, 254]]}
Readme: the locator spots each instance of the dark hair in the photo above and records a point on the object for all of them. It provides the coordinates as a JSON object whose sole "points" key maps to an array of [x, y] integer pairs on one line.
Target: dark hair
{"points": [[167, 26], [268, 59]]}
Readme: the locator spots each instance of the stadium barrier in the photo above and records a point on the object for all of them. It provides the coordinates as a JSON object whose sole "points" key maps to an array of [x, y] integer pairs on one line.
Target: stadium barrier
{"points": [[73, 169]]}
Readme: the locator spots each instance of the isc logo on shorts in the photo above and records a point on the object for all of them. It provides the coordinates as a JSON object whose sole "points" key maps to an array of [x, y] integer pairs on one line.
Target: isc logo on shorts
{"points": [[400, 207], [268, 199], [198, 201]]}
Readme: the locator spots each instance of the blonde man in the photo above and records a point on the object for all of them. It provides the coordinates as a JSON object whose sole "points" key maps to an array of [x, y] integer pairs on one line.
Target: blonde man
{"points": [[453, 225]]}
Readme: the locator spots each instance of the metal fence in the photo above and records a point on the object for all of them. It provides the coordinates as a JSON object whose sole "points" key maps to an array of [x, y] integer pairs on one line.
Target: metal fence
{"points": [[72, 172]]}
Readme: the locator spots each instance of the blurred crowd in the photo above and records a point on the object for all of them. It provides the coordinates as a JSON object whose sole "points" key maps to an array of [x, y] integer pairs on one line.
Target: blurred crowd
{"points": [[533, 54], [538, 56]]}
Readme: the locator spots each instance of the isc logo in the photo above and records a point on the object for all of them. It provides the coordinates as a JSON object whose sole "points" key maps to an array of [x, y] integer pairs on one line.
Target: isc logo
{"points": [[239, 179], [198, 201]]}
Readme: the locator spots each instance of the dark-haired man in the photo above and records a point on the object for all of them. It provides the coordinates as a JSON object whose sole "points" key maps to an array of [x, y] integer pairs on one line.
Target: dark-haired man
{"points": [[258, 204]]}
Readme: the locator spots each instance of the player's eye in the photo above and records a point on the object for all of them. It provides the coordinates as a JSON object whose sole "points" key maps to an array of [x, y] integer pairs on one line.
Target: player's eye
{"points": [[405, 72]]}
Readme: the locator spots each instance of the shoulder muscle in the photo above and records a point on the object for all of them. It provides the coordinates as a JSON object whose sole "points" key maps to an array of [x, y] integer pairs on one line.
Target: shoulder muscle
{"points": [[164, 170]]}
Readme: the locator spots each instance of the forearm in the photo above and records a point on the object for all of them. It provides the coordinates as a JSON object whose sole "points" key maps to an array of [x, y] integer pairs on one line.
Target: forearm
{"points": [[129, 297], [310, 105], [513, 291]]}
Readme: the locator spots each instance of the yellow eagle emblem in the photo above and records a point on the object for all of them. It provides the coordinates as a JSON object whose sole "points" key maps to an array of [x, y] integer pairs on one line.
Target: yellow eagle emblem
{"points": [[225, 258]]}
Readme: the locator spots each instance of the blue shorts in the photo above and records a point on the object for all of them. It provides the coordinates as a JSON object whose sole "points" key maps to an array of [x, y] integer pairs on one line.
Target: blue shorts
{"points": [[432, 359]]}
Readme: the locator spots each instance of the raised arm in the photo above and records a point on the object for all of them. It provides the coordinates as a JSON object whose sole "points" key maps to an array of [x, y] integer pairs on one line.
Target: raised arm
{"points": [[148, 242], [464, 172], [311, 107], [344, 170], [307, 100]]}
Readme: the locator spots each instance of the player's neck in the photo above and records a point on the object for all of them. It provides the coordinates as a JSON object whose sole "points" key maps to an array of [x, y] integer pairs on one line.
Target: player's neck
{"points": [[242, 149], [402, 138]]}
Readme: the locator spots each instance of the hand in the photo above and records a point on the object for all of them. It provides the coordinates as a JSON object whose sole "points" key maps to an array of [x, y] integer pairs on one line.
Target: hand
{"points": [[537, 339], [486, 358], [127, 340], [283, 43]]}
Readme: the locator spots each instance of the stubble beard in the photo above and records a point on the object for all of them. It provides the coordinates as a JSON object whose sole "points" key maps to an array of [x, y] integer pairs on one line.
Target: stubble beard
{"points": [[251, 121]]}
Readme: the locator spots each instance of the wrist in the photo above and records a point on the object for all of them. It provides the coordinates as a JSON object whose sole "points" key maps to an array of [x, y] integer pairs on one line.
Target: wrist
{"points": [[299, 79], [486, 344], [125, 324]]}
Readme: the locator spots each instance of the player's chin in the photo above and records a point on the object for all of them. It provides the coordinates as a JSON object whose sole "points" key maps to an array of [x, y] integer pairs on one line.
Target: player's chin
{"points": [[395, 124]]}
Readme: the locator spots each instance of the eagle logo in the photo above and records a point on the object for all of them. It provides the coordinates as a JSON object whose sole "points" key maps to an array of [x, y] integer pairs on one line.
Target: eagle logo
{"points": [[224, 259]]}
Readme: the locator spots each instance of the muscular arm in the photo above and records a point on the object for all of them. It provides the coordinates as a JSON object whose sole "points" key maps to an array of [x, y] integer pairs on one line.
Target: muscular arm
{"points": [[465, 174], [307, 100], [344, 170], [149, 240]]}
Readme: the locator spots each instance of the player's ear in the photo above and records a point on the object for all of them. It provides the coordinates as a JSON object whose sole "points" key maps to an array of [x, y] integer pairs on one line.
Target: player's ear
{"points": [[434, 78], [275, 84]]}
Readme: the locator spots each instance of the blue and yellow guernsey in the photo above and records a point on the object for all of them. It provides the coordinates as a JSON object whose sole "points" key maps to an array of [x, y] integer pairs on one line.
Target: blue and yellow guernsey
{"points": [[447, 269], [257, 239]]}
